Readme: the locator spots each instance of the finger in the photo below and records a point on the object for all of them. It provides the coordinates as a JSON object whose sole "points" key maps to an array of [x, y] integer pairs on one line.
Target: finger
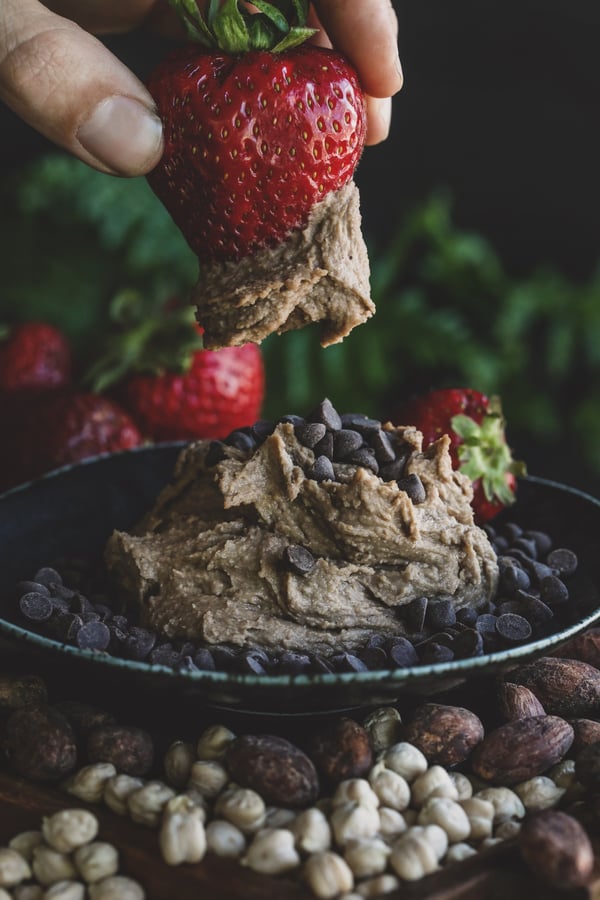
{"points": [[379, 116], [103, 16], [67, 85], [367, 34]]}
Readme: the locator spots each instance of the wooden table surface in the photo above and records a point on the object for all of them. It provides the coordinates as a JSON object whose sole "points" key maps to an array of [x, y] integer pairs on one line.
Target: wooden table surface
{"points": [[496, 874]]}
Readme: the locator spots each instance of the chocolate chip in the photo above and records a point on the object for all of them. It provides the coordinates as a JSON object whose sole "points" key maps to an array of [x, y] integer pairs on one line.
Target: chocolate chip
{"points": [[93, 636], [468, 643], [165, 655], [542, 541], [413, 486], [139, 642], [534, 610], [61, 606], [365, 458], [486, 623], [413, 613], [253, 662], [430, 652], [440, 613], [553, 591], [187, 664], [512, 578], [215, 453], [105, 612], [121, 622], [513, 628], [527, 546], [374, 658], [322, 469], [500, 544], [326, 413], [539, 570], [203, 659], [393, 471], [383, 447], [345, 442], [262, 429], [294, 663], [241, 440], [62, 592], [320, 666], [466, 616], [298, 559], [359, 422], [512, 531], [28, 587], [292, 419], [310, 433], [224, 657], [563, 560], [47, 575], [324, 447], [348, 662], [36, 607], [402, 653]]}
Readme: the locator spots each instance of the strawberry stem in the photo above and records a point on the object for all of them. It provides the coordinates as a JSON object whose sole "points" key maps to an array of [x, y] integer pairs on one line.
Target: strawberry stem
{"points": [[231, 26]]}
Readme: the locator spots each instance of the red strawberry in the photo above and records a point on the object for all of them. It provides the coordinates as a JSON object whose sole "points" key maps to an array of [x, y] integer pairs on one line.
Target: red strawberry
{"points": [[45, 431], [221, 391], [34, 356], [174, 389], [478, 445], [257, 129]]}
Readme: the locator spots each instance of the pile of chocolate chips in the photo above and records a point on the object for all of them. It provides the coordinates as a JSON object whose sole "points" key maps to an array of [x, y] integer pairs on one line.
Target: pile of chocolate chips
{"points": [[337, 441], [539, 592]]}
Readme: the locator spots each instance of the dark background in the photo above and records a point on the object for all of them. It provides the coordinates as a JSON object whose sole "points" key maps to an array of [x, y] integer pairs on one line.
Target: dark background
{"points": [[501, 103]]}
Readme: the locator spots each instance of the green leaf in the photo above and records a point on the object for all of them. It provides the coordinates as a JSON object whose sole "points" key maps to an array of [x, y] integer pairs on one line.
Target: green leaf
{"points": [[229, 28]]}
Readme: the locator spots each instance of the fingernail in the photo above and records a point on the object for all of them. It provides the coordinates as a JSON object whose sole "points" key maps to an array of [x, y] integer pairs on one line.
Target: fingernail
{"points": [[123, 135], [384, 116], [398, 65]]}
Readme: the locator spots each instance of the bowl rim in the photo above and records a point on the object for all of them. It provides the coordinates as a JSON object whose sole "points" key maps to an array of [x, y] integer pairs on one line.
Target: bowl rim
{"points": [[391, 677]]}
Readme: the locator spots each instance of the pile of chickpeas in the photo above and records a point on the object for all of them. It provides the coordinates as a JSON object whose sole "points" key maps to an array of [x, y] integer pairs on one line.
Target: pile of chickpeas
{"points": [[400, 822]]}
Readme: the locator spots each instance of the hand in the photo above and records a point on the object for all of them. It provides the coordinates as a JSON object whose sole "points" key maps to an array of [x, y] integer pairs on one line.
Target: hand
{"points": [[64, 82]]}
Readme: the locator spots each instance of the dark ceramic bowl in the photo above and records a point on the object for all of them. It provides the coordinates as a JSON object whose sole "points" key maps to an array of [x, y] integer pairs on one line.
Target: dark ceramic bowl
{"points": [[72, 512]]}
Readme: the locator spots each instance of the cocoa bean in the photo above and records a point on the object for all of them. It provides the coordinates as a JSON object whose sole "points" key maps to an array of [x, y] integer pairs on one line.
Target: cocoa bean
{"points": [[587, 766], [40, 744], [515, 701], [587, 731], [130, 750], [565, 687], [584, 647], [341, 750], [275, 768], [521, 749], [556, 849], [446, 735], [82, 717]]}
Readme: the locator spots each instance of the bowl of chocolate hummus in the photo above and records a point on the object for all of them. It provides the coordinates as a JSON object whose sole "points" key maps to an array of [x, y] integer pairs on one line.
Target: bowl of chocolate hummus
{"points": [[299, 566]]}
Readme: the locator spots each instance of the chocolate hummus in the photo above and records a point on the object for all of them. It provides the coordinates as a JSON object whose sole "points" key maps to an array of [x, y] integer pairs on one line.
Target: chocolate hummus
{"points": [[293, 540], [320, 274]]}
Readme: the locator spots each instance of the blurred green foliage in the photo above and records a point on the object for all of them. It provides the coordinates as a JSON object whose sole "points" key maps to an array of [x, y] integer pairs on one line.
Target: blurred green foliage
{"points": [[448, 312]]}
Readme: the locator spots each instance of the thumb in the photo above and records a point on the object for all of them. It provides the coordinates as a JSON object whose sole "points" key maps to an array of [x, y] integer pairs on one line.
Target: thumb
{"points": [[67, 85]]}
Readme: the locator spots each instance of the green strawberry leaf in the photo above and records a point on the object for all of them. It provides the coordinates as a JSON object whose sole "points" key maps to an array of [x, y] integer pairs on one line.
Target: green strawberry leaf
{"points": [[229, 28]]}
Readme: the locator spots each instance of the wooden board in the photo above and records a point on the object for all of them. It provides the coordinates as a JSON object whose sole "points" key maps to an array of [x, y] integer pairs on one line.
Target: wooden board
{"points": [[496, 874]]}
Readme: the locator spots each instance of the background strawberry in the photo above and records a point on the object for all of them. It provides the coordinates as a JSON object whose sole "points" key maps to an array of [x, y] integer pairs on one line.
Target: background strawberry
{"points": [[175, 390], [49, 430], [478, 445], [34, 356], [257, 129]]}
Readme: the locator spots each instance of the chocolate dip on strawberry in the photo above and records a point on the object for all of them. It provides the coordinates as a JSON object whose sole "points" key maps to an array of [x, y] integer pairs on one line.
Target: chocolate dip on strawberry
{"points": [[262, 135]]}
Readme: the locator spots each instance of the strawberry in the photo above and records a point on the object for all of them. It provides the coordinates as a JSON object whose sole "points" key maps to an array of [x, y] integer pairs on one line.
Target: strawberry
{"points": [[478, 445], [171, 386], [258, 129], [34, 356], [45, 431], [221, 391]]}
